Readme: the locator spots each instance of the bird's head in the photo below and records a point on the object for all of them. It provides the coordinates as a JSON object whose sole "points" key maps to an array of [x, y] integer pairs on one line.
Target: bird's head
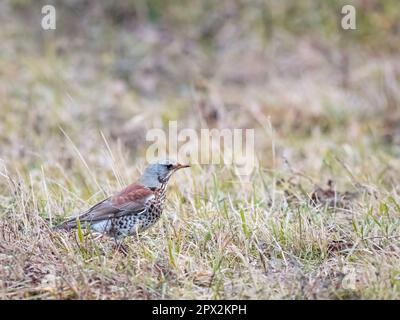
{"points": [[159, 172]]}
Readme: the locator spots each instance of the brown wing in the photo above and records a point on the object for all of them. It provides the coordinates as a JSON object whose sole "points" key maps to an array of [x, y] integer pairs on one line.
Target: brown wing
{"points": [[130, 200]]}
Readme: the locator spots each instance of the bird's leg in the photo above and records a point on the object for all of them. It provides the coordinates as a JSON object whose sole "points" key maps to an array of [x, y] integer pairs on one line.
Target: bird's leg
{"points": [[121, 247]]}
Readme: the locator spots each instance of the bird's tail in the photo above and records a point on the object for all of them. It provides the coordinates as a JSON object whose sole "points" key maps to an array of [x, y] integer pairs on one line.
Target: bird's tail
{"points": [[66, 225]]}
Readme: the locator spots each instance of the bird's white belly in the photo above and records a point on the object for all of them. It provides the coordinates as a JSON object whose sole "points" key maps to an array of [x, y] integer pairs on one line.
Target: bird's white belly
{"points": [[101, 226]]}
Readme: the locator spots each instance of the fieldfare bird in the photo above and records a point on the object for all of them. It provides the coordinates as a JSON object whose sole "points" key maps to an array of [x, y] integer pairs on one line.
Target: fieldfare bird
{"points": [[133, 209]]}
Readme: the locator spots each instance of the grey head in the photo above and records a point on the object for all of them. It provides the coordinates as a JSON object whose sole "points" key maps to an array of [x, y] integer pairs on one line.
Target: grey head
{"points": [[158, 173]]}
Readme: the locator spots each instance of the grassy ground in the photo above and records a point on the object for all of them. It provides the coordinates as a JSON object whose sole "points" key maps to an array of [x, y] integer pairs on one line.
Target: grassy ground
{"points": [[319, 218]]}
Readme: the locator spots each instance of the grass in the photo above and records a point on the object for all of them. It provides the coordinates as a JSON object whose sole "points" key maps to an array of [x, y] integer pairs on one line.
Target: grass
{"points": [[73, 130]]}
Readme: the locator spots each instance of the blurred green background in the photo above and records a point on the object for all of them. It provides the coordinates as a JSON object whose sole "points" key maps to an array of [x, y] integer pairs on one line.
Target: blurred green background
{"points": [[123, 67]]}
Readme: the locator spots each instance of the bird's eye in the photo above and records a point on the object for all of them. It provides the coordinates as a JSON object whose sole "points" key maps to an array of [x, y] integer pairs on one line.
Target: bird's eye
{"points": [[169, 166]]}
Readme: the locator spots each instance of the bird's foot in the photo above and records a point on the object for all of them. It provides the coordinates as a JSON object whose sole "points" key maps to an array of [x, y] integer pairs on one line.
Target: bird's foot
{"points": [[123, 248]]}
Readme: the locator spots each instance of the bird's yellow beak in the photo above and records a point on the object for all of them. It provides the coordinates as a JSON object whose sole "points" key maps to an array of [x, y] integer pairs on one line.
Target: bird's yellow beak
{"points": [[181, 166]]}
